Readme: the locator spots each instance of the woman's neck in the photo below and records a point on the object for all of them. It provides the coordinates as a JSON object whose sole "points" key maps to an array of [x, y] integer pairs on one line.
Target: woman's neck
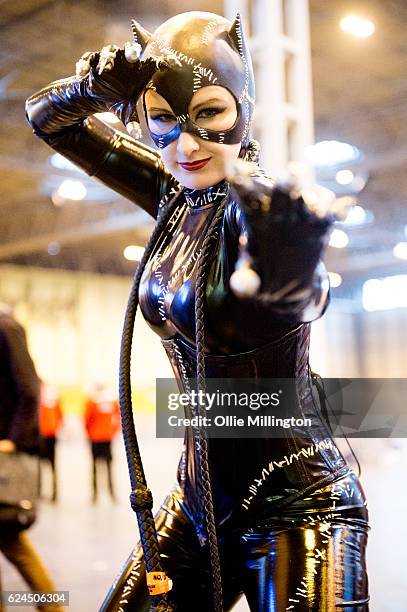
{"points": [[195, 198]]}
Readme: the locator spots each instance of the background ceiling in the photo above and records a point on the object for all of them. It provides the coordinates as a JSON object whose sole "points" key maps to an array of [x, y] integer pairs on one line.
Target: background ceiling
{"points": [[360, 94]]}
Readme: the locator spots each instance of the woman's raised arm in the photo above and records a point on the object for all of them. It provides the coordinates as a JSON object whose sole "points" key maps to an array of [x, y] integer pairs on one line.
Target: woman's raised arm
{"points": [[61, 114]]}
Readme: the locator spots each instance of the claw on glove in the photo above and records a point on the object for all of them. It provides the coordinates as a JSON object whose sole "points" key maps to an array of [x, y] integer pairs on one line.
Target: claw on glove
{"points": [[254, 192], [106, 58], [83, 65], [168, 62]]}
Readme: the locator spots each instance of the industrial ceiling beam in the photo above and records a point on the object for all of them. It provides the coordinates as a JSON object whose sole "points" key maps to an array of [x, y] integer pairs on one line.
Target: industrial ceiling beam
{"points": [[76, 235], [12, 12]]}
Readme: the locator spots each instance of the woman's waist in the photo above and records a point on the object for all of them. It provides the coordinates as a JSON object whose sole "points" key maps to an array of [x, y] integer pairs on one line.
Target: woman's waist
{"points": [[283, 357], [341, 499], [296, 505], [255, 477]]}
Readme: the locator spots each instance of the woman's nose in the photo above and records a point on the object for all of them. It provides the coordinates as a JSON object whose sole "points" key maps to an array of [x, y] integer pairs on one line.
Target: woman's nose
{"points": [[187, 144]]}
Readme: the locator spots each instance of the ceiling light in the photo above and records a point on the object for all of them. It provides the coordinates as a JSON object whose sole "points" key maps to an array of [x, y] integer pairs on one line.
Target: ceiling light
{"points": [[56, 199], [70, 189], [339, 239], [358, 215], [362, 28], [133, 252], [54, 248], [344, 177], [385, 294], [359, 183], [108, 118], [400, 250], [335, 279], [62, 163], [331, 153]]}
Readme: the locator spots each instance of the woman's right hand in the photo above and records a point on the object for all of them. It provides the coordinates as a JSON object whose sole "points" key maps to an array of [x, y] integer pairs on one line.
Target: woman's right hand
{"points": [[117, 76], [61, 114]]}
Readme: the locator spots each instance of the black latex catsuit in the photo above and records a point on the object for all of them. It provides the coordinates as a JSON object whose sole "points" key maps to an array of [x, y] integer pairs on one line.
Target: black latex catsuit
{"points": [[291, 514]]}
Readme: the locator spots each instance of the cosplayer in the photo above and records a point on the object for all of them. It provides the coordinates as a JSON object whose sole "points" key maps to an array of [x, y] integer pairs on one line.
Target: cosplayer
{"points": [[230, 280]]}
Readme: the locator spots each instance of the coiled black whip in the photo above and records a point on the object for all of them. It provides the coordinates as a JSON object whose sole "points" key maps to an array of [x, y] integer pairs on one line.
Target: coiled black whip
{"points": [[141, 499]]}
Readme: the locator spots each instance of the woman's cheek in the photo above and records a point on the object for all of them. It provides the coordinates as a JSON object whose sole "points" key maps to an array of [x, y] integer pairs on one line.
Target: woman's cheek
{"points": [[165, 157]]}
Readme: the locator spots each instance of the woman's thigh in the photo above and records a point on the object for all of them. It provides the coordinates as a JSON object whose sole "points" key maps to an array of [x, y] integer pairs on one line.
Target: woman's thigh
{"points": [[313, 567], [185, 562]]}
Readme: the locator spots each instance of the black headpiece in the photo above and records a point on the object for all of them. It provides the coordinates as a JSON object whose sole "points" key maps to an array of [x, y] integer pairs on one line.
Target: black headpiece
{"points": [[210, 51]]}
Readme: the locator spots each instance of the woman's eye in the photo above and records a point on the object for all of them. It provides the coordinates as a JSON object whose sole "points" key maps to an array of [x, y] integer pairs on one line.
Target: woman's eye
{"points": [[207, 113], [163, 118]]}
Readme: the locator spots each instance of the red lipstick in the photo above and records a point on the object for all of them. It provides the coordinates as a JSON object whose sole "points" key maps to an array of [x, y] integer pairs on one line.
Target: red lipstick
{"points": [[192, 166]]}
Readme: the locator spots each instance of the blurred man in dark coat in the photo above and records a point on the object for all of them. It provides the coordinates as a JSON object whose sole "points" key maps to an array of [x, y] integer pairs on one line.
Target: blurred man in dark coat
{"points": [[19, 388], [19, 403]]}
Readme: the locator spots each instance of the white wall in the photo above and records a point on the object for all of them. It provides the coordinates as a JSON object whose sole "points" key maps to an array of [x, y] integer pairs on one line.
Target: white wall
{"points": [[360, 344], [74, 323]]}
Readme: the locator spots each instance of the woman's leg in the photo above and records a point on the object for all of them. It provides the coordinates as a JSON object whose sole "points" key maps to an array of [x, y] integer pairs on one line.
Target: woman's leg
{"points": [[318, 566], [183, 560], [351, 581], [94, 472], [109, 471]]}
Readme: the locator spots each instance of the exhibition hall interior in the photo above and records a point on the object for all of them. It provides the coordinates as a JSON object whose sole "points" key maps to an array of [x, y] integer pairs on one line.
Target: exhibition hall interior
{"points": [[331, 91]]}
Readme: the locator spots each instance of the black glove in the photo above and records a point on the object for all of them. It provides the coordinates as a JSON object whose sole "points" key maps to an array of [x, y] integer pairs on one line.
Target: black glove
{"points": [[116, 78], [286, 236], [104, 81]]}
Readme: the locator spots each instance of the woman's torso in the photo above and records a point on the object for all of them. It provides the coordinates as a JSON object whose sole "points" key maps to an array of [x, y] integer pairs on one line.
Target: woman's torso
{"points": [[251, 477], [167, 289]]}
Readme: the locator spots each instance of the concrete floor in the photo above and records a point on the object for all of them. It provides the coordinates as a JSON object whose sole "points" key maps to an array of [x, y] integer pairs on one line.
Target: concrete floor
{"points": [[84, 546]]}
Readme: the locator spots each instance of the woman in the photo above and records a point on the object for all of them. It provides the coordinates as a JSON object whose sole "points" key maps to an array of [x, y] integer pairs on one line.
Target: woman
{"points": [[290, 515]]}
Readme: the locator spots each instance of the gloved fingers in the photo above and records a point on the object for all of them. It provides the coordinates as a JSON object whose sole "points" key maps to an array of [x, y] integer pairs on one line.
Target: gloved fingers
{"points": [[151, 65], [314, 201], [132, 53], [84, 64], [107, 57], [242, 176], [168, 62], [134, 129], [284, 198], [319, 201], [342, 206], [252, 191]]}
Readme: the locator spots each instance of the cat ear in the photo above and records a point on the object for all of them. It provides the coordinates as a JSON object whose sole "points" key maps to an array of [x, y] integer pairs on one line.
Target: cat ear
{"points": [[140, 34], [237, 36]]}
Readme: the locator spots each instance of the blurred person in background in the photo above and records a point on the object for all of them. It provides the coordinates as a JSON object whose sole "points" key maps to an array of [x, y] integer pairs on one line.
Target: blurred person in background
{"points": [[19, 404], [50, 424], [102, 422]]}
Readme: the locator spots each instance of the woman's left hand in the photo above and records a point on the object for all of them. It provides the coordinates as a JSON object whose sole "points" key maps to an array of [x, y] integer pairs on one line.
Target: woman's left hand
{"points": [[287, 228], [116, 77]]}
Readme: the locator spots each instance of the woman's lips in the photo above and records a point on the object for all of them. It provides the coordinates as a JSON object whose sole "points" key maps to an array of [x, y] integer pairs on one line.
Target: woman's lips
{"points": [[197, 165]]}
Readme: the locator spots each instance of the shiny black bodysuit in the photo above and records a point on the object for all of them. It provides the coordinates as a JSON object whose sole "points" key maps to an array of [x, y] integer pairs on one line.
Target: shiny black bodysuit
{"points": [[291, 514]]}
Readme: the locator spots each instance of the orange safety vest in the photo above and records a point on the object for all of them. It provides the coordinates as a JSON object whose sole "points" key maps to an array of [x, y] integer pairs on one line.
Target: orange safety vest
{"points": [[102, 419], [50, 418]]}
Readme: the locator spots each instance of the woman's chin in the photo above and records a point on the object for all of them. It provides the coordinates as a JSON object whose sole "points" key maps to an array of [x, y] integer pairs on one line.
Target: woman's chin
{"points": [[196, 180]]}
